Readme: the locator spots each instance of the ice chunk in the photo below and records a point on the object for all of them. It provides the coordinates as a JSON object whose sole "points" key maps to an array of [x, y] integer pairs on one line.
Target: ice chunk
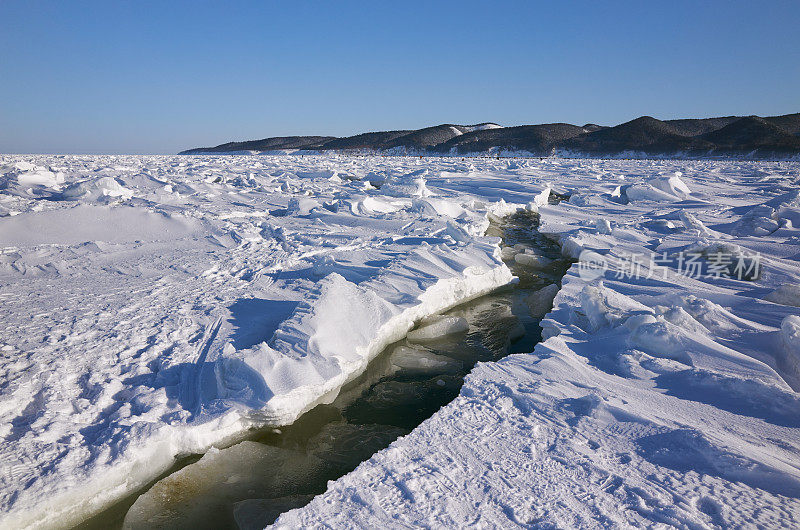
{"points": [[763, 219], [422, 189], [438, 328], [447, 208], [672, 185], [620, 195], [660, 225], [508, 253], [789, 217], [97, 190], [540, 302], [532, 261], [580, 199], [681, 318], [571, 247], [502, 208], [789, 361], [457, 232], [202, 494], [757, 222], [301, 206], [417, 361], [28, 180], [606, 307], [540, 200], [634, 322], [692, 223], [710, 315], [40, 177], [665, 188], [659, 338], [786, 294], [603, 226]]}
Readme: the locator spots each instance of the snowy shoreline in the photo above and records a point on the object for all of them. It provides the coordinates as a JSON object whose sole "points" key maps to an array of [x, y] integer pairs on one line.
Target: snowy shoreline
{"points": [[320, 347], [215, 304], [160, 455], [636, 409]]}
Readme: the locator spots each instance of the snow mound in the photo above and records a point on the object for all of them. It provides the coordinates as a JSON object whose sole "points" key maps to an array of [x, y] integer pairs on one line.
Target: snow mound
{"points": [[25, 178], [672, 185], [786, 294], [605, 307], [93, 223], [646, 192], [302, 206], [104, 188], [332, 336], [375, 205], [766, 218], [655, 189]]}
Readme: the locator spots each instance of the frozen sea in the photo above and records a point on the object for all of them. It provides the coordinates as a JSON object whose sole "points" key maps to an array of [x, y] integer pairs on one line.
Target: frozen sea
{"points": [[158, 307]]}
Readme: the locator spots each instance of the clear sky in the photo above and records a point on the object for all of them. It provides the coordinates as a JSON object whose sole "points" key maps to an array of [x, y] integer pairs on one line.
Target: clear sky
{"points": [[159, 77]]}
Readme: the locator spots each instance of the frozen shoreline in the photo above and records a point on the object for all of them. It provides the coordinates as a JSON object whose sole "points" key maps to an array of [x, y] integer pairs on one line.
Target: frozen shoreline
{"points": [[329, 339], [241, 415], [649, 401], [176, 326]]}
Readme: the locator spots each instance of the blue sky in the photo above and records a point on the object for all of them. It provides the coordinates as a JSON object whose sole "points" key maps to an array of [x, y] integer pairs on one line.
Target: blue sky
{"points": [[158, 77]]}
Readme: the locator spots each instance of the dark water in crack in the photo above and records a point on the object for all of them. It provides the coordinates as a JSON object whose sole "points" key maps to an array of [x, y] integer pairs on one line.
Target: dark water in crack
{"points": [[249, 484]]}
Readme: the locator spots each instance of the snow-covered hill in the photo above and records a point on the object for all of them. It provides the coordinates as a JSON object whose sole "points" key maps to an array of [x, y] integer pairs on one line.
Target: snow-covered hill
{"points": [[748, 137]]}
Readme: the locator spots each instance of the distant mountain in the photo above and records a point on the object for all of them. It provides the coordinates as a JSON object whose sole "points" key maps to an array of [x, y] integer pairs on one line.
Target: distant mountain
{"points": [[753, 132], [536, 139], [696, 127], [405, 140], [592, 127], [788, 122], [645, 134], [730, 136], [267, 144], [370, 140], [430, 137]]}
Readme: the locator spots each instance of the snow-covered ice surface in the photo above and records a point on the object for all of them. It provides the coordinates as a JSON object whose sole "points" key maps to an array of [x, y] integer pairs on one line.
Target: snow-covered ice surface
{"points": [[155, 306]]}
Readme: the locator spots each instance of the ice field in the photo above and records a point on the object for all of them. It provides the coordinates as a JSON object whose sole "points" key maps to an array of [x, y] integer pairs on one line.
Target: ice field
{"points": [[157, 307]]}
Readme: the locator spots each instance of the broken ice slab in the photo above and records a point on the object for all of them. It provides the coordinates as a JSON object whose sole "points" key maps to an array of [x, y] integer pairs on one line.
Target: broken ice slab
{"points": [[439, 327], [201, 494], [419, 361]]}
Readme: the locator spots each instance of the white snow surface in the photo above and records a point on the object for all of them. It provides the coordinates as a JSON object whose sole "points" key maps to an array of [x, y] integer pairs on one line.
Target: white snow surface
{"points": [[483, 127], [154, 307]]}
